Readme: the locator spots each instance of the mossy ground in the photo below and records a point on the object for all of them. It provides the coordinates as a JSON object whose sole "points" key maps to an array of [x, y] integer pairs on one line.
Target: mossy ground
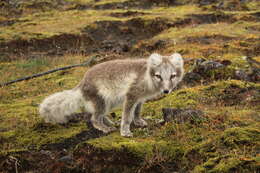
{"points": [[227, 140]]}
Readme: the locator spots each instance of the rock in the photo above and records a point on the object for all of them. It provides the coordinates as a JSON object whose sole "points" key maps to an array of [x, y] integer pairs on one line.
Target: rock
{"points": [[203, 66], [252, 74], [201, 70], [182, 115], [67, 158], [241, 75], [191, 78]]}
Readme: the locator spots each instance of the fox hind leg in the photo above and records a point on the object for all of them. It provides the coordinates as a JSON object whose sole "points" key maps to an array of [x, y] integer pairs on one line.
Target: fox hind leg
{"points": [[99, 122], [98, 119]]}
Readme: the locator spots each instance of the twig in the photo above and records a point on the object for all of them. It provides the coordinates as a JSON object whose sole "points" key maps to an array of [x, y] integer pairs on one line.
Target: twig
{"points": [[88, 62]]}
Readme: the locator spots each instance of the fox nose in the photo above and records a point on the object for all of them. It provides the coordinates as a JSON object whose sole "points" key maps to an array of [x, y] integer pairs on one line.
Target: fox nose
{"points": [[165, 91]]}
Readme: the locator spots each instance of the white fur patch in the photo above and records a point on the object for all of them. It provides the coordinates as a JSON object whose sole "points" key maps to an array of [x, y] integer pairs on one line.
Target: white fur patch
{"points": [[58, 106], [88, 106], [155, 59], [176, 59], [114, 91]]}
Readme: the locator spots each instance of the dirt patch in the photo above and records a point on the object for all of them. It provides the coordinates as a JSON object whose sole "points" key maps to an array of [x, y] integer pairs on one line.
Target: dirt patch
{"points": [[255, 28], [208, 39], [127, 14], [97, 160], [250, 47], [103, 36], [41, 5], [7, 22], [84, 159], [17, 8], [212, 4], [79, 7], [251, 17], [56, 45], [256, 14], [145, 47], [235, 95], [115, 33], [145, 4], [211, 18], [223, 4]]}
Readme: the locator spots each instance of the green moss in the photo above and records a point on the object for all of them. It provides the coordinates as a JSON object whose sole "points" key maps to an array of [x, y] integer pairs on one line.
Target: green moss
{"points": [[186, 98], [36, 136], [233, 150], [209, 164], [253, 5], [226, 165], [215, 29], [237, 136], [115, 141], [142, 147], [224, 91]]}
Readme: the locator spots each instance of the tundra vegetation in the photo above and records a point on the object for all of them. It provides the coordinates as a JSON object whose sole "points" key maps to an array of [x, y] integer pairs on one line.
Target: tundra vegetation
{"points": [[39, 35]]}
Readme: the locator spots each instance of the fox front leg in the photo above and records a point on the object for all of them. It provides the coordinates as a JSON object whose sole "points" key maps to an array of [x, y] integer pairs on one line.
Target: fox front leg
{"points": [[128, 116], [138, 120]]}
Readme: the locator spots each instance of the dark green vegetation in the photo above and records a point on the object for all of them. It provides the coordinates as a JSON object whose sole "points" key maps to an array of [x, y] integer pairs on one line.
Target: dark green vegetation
{"points": [[38, 35]]}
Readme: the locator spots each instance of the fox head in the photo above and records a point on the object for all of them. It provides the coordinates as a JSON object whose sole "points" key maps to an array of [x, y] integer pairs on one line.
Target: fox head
{"points": [[165, 71]]}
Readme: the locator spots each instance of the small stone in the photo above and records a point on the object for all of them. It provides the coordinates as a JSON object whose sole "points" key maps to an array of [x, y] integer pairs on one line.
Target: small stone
{"points": [[182, 115], [67, 158]]}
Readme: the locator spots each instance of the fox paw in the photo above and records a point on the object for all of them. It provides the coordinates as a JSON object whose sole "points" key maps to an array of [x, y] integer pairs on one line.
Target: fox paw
{"points": [[104, 128], [108, 122], [107, 129], [127, 134], [140, 122]]}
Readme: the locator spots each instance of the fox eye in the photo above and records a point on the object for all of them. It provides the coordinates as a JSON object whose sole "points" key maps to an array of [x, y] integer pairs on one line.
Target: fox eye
{"points": [[173, 76], [158, 76]]}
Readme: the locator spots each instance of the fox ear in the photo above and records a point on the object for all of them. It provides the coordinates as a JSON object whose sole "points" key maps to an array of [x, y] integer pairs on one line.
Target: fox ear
{"points": [[176, 59], [155, 59]]}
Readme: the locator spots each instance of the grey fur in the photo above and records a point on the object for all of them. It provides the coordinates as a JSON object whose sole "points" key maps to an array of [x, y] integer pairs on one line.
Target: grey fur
{"points": [[111, 84]]}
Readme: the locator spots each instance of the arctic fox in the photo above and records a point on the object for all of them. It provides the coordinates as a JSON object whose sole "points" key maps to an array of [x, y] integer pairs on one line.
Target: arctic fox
{"points": [[113, 83]]}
